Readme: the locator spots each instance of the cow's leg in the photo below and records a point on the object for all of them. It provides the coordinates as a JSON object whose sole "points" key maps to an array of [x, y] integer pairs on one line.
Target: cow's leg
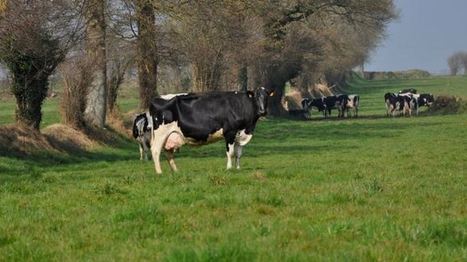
{"points": [[157, 143], [145, 150], [141, 151], [230, 147], [230, 154], [170, 159], [238, 153], [156, 148]]}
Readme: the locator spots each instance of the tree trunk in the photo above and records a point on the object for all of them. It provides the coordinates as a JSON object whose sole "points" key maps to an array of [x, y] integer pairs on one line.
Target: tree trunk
{"points": [[147, 53], [117, 74], [243, 78], [96, 53], [30, 90]]}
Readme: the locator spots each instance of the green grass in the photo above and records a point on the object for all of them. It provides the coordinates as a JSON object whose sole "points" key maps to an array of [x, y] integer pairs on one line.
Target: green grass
{"points": [[373, 188]]}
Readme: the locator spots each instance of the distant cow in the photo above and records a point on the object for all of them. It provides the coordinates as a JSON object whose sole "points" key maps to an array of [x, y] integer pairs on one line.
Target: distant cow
{"points": [[308, 104], [352, 103], [399, 103], [425, 99], [199, 119], [142, 133], [388, 99], [326, 104]]}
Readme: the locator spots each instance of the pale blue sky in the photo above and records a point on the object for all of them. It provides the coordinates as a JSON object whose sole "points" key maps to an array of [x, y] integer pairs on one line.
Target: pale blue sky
{"points": [[427, 32]]}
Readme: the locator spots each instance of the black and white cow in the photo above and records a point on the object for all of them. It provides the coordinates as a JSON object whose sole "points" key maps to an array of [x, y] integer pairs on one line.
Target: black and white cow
{"points": [[352, 103], [389, 99], [142, 134], [199, 119], [401, 103], [425, 99], [142, 128], [308, 104], [326, 104]]}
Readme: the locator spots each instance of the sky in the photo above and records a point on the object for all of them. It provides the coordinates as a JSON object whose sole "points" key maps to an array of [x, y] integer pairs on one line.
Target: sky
{"points": [[425, 35]]}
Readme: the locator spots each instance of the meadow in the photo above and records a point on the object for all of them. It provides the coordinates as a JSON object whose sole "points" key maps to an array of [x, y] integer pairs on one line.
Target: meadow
{"points": [[372, 188]]}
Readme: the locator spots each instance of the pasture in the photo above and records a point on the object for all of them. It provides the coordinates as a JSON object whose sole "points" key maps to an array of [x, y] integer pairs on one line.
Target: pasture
{"points": [[372, 188]]}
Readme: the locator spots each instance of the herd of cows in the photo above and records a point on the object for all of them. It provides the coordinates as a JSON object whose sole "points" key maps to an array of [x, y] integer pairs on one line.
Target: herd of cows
{"points": [[405, 102], [199, 119]]}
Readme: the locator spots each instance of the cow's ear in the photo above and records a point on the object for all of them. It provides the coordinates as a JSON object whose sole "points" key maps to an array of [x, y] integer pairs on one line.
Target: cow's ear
{"points": [[272, 93], [250, 93]]}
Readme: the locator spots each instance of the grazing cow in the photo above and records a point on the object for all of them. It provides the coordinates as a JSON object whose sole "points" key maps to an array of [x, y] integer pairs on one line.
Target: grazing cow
{"points": [[308, 104], [339, 102], [199, 119], [398, 103], [142, 133], [352, 102], [419, 100], [425, 99], [326, 104]]}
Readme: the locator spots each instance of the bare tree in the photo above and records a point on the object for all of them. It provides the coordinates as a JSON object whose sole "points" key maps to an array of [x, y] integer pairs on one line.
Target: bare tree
{"points": [[96, 53], [454, 64], [35, 37], [119, 57]]}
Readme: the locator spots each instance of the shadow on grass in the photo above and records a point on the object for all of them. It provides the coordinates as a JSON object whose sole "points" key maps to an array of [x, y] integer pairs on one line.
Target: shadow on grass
{"points": [[303, 137]]}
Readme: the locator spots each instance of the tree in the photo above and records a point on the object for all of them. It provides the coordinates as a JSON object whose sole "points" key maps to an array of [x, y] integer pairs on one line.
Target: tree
{"points": [[35, 37], [317, 18], [96, 53], [119, 57], [147, 57], [457, 62]]}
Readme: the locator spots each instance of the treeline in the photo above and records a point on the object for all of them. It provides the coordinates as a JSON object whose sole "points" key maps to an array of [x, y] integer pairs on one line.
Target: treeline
{"points": [[185, 45]]}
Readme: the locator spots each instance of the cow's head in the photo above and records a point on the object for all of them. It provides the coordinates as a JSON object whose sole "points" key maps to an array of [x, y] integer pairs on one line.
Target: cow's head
{"points": [[430, 99], [261, 100]]}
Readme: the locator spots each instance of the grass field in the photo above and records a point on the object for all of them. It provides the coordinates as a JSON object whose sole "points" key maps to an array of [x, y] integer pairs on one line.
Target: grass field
{"points": [[372, 188]]}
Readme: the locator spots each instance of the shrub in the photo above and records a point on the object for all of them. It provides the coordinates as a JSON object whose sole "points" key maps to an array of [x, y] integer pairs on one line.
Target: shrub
{"points": [[448, 105]]}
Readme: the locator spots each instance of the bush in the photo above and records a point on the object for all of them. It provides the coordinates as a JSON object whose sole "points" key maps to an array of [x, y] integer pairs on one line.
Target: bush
{"points": [[448, 105]]}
